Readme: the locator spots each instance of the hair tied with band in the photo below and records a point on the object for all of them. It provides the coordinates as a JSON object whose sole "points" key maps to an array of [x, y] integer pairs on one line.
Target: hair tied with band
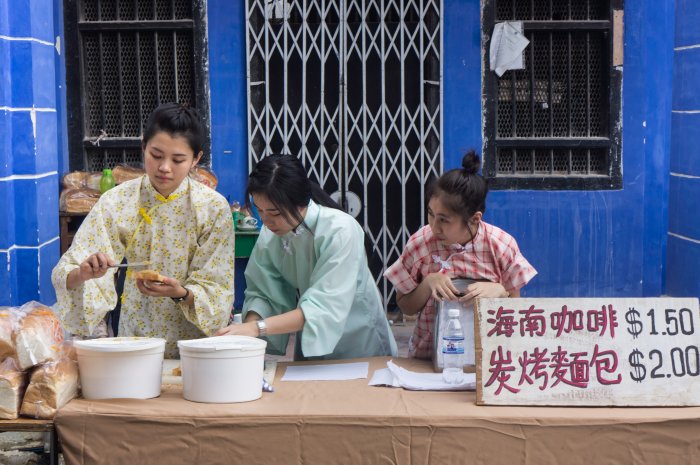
{"points": [[462, 190], [471, 163]]}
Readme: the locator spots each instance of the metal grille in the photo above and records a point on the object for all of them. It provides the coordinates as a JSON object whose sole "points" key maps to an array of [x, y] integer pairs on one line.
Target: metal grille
{"points": [[100, 158], [135, 54], [557, 162], [551, 10], [135, 10], [113, 66], [552, 119], [560, 92], [353, 88]]}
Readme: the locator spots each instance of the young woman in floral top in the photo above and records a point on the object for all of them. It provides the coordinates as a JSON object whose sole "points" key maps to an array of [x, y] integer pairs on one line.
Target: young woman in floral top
{"points": [[182, 227]]}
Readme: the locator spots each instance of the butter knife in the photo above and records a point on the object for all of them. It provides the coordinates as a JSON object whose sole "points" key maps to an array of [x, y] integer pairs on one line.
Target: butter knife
{"points": [[130, 265]]}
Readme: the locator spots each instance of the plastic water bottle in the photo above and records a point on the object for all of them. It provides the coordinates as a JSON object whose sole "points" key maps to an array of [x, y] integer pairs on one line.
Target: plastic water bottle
{"points": [[106, 181], [453, 349]]}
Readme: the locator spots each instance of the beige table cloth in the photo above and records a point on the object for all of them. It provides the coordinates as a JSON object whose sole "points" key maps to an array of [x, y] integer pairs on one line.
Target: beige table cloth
{"points": [[349, 422]]}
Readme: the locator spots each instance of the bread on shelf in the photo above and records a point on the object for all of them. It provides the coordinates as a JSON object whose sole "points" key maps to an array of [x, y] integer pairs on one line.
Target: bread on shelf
{"points": [[8, 321], [123, 173], [78, 200], [74, 180], [13, 383], [38, 337], [204, 176], [51, 386]]}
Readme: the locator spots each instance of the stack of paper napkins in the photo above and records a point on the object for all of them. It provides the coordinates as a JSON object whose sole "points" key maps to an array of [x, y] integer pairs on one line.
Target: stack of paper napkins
{"points": [[396, 376]]}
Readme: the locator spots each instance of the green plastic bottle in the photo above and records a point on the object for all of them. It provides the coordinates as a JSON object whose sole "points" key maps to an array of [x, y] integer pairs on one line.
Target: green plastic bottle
{"points": [[107, 180]]}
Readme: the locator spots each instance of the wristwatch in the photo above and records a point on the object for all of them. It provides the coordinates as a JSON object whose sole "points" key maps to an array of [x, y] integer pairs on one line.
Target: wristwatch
{"points": [[262, 328], [183, 298]]}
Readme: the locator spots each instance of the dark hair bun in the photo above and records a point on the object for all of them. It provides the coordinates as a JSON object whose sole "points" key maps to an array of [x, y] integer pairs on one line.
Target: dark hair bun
{"points": [[471, 163]]}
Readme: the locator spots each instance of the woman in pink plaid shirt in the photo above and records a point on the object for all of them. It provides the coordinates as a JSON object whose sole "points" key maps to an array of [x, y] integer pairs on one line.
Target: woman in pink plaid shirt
{"points": [[456, 243]]}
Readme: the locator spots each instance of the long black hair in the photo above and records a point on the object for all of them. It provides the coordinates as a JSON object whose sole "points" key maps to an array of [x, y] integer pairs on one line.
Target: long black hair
{"points": [[283, 180], [176, 120], [462, 190]]}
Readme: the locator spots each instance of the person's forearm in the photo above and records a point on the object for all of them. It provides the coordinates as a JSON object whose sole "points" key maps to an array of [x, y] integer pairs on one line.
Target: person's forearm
{"points": [[73, 280], [289, 322], [189, 301], [414, 301]]}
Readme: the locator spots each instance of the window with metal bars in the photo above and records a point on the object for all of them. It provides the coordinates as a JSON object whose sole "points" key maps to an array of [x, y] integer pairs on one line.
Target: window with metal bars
{"points": [[556, 123], [124, 58]]}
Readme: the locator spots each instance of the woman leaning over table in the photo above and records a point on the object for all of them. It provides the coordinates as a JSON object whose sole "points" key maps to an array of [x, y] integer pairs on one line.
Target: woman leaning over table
{"points": [[309, 248], [183, 228]]}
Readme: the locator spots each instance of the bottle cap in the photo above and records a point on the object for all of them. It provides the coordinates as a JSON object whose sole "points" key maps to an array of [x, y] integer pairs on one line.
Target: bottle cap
{"points": [[106, 171], [453, 312]]}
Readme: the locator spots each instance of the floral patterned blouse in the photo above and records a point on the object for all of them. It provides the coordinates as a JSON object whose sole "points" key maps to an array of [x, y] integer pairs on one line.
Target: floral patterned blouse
{"points": [[188, 236]]}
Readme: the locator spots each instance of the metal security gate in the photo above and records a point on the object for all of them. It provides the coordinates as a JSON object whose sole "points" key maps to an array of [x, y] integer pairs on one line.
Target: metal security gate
{"points": [[352, 87]]}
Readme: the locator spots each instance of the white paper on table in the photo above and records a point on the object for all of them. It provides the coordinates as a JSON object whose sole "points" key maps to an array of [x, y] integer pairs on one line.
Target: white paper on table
{"points": [[330, 372], [507, 45], [396, 376], [383, 377]]}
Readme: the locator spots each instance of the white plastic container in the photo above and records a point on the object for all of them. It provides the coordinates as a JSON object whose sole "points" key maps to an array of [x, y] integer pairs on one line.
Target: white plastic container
{"points": [[222, 369], [121, 367]]}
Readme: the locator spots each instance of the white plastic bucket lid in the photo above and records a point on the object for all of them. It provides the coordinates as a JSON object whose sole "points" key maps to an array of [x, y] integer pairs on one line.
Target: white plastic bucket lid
{"points": [[217, 343], [121, 344]]}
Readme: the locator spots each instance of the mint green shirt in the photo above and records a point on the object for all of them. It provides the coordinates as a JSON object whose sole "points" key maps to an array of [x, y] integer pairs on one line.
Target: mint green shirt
{"points": [[326, 264]]}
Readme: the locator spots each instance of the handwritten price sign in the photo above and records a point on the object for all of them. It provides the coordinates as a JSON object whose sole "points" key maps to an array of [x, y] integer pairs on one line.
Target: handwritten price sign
{"points": [[681, 360], [633, 352]]}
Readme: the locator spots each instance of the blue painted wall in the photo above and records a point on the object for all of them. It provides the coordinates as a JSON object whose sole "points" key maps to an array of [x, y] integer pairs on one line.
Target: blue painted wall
{"points": [[610, 243], [597, 243], [227, 78], [62, 139], [601, 243], [229, 103], [29, 154], [682, 274]]}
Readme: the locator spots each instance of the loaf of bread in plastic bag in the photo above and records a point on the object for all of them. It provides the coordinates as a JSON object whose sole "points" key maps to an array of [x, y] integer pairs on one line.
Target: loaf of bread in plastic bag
{"points": [[51, 386]]}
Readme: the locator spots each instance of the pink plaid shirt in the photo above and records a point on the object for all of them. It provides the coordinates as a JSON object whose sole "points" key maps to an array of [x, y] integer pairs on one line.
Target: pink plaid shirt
{"points": [[493, 255]]}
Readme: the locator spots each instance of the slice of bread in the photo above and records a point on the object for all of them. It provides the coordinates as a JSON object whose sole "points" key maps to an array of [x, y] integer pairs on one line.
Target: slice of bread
{"points": [[147, 275]]}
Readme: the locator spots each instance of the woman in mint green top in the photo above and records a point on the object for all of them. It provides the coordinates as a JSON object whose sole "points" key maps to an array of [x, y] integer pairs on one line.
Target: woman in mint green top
{"points": [[308, 272]]}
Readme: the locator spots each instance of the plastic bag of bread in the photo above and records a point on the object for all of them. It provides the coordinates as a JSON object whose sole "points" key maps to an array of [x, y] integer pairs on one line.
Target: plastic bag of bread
{"points": [[74, 180], [51, 386], [78, 200], [8, 322], [204, 176], [123, 173], [38, 336], [13, 382], [92, 181]]}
